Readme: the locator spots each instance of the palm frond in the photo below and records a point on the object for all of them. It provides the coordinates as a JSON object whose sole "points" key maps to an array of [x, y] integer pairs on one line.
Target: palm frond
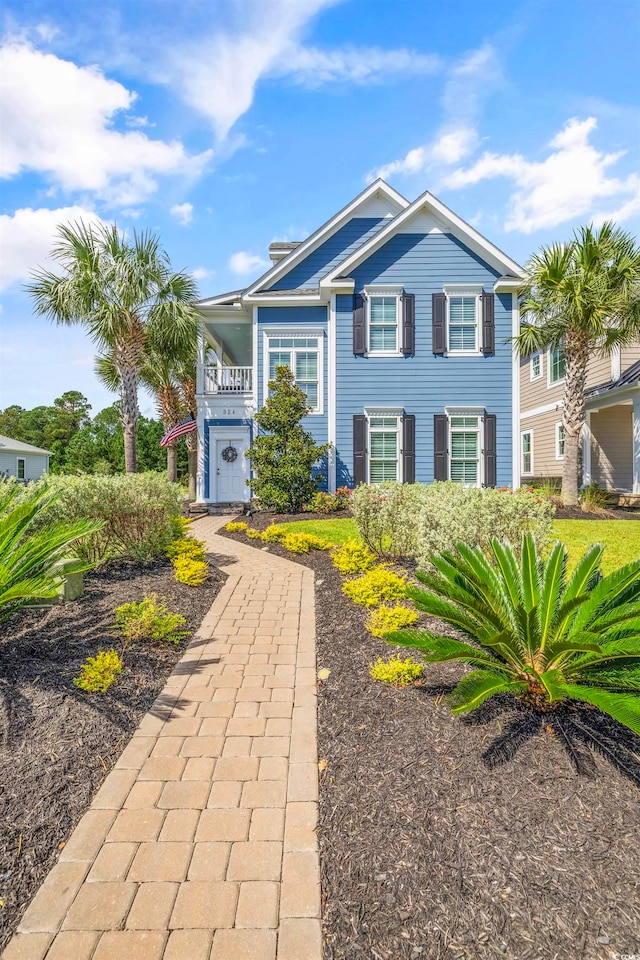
{"points": [[478, 686]]}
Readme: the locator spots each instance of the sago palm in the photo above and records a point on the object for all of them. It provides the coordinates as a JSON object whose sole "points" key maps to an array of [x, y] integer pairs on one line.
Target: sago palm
{"points": [[126, 295], [31, 548], [535, 631], [583, 298]]}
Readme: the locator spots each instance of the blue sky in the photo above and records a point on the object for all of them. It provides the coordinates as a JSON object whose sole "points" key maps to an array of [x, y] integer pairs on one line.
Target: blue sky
{"points": [[225, 124]]}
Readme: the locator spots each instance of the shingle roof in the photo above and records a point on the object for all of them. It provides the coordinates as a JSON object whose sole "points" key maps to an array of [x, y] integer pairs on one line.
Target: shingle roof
{"points": [[630, 377], [280, 293], [8, 445]]}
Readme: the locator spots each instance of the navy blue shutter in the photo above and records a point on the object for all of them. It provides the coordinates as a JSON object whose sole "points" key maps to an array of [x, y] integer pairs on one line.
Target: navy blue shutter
{"points": [[359, 339], [409, 448], [359, 449], [490, 436], [409, 324], [438, 322], [440, 448], [488, 323]]}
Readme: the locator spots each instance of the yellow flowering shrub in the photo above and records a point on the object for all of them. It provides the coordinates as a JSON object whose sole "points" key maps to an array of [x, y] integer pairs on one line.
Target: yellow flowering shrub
{"points": [[396, 671], [253, 534], [190, 571], [385, 619], [375, 587], [302, 542], [99, 672], [186, 547], [352, 556], [236, 526], [273, 533]]}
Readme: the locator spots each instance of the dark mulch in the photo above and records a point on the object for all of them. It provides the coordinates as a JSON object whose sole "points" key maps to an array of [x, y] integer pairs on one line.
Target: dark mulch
{"points": [[501, 835], [611, 513], [58, 743]]}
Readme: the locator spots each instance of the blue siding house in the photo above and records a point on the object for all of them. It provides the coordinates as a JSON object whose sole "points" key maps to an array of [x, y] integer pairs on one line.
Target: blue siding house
{"points": [[396, 319]]}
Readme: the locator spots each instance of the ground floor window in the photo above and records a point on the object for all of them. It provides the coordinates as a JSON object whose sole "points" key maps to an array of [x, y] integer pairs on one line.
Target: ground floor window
{"points": [[21, 471], [300, 354], [464, 458], [526, 462], [384, 448], [559, 441]]}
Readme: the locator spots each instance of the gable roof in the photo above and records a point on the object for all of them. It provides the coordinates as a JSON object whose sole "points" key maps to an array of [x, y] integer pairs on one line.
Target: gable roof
{"points": [[8, 445], [629, 378], [455, 224], [376, 189]]}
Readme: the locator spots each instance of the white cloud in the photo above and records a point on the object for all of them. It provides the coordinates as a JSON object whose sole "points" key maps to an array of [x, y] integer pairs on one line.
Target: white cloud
{"points": [[58, 120], [183, 212], [218, 78], [468, 82], [201, 273], [571, 182], [26, 238], [244, 263]]}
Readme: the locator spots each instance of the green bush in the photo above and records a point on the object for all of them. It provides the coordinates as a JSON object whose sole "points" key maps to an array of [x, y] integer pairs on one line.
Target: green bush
{"points": [[385, 619], [150, 619], [531, 631], [375, 586], [593, 499], [139, 514], [99, 672], [329, 502], [420, 520], [189, 571], [399, 672], [353, 557], [33, 543]]}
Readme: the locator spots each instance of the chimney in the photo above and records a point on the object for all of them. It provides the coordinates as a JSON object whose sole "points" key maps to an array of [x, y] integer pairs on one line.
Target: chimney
{"points": [[281, 248]]}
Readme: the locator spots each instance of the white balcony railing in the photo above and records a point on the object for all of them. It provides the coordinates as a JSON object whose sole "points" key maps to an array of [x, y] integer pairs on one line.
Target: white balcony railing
{"points": [[221, 379]]}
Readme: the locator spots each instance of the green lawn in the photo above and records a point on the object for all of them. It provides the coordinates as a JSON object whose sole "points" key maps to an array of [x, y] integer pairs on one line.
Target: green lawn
{"points": [[621, 538]]}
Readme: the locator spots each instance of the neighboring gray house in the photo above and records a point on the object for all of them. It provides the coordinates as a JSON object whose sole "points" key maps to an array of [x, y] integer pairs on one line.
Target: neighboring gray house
{"points": [[22, 460]]}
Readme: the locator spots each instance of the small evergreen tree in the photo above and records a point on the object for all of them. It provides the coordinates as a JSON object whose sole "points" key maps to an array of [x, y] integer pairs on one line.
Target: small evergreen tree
{"points": [[284, 456]]}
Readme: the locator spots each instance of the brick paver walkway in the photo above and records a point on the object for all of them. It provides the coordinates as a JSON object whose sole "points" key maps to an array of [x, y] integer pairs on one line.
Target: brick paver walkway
{"points": [[201, 843]]}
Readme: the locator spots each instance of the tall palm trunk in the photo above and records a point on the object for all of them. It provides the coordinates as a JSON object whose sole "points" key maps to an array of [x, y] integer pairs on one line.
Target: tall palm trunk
{"points": [[129, 414], [573, 414], [188, 387], [170, 414], [172, 462]]}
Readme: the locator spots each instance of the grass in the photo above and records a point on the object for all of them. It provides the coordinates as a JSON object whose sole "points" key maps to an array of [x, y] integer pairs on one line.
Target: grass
{"points": [[620, 538]]}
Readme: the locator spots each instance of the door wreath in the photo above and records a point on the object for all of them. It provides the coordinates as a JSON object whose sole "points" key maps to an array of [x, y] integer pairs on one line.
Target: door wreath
{"points": [[229, 454]]}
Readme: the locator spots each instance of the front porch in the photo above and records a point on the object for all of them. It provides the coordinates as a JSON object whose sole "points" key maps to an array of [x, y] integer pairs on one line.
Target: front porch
{"points": [[611, 449]]}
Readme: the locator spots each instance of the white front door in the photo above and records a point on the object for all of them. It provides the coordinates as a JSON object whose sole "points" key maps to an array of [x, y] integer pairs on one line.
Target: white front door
{"points": [[230, 468]]}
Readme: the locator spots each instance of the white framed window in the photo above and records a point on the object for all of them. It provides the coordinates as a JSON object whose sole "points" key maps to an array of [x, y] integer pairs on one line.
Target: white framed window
{"points": [[302, 353], [559, 441], [464, 450], [556, 365], [463, 319], [526, 452], [535, 365], [384, 460], [383, 320], [21, 468]]}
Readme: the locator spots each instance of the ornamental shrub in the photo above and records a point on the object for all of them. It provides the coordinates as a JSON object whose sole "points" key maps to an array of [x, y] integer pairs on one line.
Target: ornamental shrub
{"points": [[254, 534], [352, 556], [273, 533], [375, 586], [386, 515], [139, 514], [384, 619], [186, 547], [150, 619], [284, 455], [190, 571], [236, 526], [303, 542], [329, 502], [396, 671], [100, 672]]}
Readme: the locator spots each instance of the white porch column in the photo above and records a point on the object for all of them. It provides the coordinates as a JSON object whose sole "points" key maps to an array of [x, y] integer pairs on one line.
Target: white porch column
{"points": [[636, 444], [200, 365], [201, 465], [586, 450]]}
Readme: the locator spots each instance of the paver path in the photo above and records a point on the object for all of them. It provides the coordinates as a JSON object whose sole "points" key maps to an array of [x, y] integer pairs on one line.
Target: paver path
{"points": [[201, 843]]}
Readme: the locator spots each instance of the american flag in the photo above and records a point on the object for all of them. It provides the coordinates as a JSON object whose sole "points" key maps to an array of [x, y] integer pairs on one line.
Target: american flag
{"points": [[188, 425]]}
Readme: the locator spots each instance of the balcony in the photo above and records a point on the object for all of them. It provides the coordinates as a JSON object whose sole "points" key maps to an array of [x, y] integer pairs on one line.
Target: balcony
{"points": [[221, 379]]}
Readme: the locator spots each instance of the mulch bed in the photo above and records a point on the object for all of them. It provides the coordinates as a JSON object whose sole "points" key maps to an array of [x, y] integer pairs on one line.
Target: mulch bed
{"points": [[57, 743], [611, 513], [501, 835]]}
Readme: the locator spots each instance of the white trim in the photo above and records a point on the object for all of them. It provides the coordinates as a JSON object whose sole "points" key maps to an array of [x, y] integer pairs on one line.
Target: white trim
{"points": [[383, 290], [331, 393], [538, 376], [556, 383], [536, 411], [524, 433], [397, 414], [311, 333], [226, 433], [462, 230], [616, 362], [255, 357], [636, 444], [24, 460], [515, 392], [559, 456], [586, 449], [465, 291], [478, 413], [327, 229], [313, 298]]}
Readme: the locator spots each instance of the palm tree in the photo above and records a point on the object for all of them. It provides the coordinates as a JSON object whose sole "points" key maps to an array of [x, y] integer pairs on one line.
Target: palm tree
{"points": [[186, 374], [128, 298], [583, 298]]}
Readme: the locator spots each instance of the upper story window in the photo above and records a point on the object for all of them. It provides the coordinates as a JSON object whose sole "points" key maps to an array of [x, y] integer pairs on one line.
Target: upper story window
{"points": [[464, 459], [557, 365], [463, 324], [384, 449], [302, 355], [383, 320], [536, 366]]}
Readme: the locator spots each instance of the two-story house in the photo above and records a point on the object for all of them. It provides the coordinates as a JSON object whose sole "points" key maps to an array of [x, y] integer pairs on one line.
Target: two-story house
{"points": [[396, 320], [611, 436]]}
